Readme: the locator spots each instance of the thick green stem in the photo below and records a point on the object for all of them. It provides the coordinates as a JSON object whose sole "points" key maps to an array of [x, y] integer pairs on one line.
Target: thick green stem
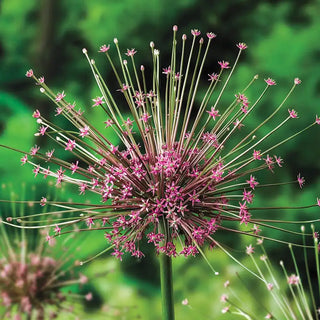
{"points": [[166, 287]]}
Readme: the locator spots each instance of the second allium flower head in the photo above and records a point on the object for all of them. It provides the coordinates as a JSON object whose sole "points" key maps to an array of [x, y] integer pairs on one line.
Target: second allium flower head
{"points": [[176, 176]]}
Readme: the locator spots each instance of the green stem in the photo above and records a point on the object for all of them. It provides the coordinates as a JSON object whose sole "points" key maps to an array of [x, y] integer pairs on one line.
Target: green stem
{"points": [[166, 287]]}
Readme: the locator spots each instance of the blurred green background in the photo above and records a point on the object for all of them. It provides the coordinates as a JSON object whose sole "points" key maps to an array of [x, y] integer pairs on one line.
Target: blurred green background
{"points": [[48, 36]]}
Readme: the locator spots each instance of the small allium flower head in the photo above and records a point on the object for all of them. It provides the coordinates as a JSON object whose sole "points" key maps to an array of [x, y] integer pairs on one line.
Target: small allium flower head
{"points": [[166, 179], [242, 46], [293, 280], [29, 73], [36, 114], [211, 35], [270, 82], [97, 101], [131, 53], [224, 64], [249, 250], [213, 77], [43, 201], [224, 298], [270, 286], [297, 81], [225, 309], [41, 79], [195, 32], [33, 282], [104, 48], [300, 180], [60, 96], [292, 113]]}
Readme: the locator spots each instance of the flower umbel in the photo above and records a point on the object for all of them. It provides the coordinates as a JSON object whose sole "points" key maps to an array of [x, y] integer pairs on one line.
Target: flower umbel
{"points": [[32, 281], [171, 180]]}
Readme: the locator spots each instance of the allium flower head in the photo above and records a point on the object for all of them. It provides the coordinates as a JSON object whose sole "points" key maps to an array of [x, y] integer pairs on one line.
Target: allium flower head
{"points": [[172, 179], [33, 281], [242, 46], [104, 48], [270, 82], [29, 73]]}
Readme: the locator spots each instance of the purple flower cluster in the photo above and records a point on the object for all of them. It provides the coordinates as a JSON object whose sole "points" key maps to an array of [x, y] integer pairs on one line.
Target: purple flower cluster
{"points": [[177, 176]]}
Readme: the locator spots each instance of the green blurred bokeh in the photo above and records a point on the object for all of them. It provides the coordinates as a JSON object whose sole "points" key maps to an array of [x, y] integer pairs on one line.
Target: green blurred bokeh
{"points": [[48, 36]]}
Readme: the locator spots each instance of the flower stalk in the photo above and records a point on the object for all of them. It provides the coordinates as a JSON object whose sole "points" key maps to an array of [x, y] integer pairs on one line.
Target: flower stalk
{"points": [[166, 287]]}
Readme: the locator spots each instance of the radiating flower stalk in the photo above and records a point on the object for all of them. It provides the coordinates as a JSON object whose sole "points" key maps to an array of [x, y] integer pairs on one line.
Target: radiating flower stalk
{"points": [[295, 298], [185, 168], [34, 283]]}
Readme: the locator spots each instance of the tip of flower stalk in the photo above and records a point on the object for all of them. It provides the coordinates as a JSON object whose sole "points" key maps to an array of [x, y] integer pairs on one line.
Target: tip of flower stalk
{"points": [[281, 263], [256, 77], [211, 35], [81, 263], [9, 219], [125, 62], [39, 121], [175, 28], [151, 44], [156, 52], [195, 32], [290, 245], [270, 82], [201, 41], [297, 81], [115, 40], [84, 51], [58, 138], [42, 90], [242, 46], [142, 68], [216, 273], [19, 220], [184, 37], [92, 62], [29, 73], [303, 228]]}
